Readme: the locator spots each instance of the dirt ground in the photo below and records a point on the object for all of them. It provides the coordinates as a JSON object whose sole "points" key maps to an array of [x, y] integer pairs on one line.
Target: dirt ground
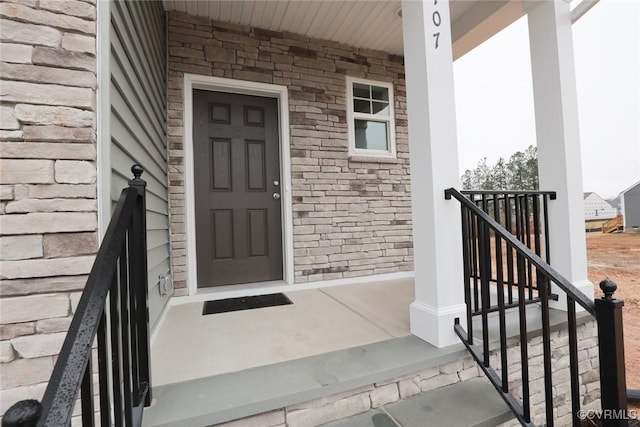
{"points": [[617, 256]]}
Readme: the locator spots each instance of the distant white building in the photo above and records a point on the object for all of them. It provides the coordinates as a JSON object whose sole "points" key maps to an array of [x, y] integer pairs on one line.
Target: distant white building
{"points": [[596, 211]]}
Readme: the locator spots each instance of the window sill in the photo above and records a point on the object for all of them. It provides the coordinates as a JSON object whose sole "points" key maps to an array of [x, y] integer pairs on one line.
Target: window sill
{"points": [[359, 158]]}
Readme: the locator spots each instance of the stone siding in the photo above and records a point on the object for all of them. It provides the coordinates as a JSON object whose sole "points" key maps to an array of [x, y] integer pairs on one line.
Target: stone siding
{"points": [[350, 218], [363, 399], [588, 369], [342, 405], [48, 219]]}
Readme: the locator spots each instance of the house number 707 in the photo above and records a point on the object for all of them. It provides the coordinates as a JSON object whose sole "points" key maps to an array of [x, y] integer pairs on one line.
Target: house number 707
{"points": [[437, 20]]}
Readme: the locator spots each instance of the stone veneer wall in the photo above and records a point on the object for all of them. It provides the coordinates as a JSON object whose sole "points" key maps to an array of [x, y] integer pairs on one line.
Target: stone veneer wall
{"points": [[373, 396], [350, 218], [48, 217], [588, 370]]}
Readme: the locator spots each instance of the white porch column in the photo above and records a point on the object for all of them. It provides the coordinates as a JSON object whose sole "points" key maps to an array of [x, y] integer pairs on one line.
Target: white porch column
{"points": [[434, 167], [558, 139]]}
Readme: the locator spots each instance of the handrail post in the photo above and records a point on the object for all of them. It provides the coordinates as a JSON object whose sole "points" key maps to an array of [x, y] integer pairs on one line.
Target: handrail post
{"points": [[140, 281], [613, 395]]}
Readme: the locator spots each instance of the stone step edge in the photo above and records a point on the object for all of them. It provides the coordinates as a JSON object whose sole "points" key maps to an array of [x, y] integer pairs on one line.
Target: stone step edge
{"points": [[345, 406], [310, 381], [224, 397]]}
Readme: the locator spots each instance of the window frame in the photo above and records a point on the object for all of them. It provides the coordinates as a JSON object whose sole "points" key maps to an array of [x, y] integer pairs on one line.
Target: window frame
{"points": [[353, 115]]}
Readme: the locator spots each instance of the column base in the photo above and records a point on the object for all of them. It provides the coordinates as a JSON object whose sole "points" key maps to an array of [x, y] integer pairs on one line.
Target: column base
{"points": [[584, 286], [435, 325]]}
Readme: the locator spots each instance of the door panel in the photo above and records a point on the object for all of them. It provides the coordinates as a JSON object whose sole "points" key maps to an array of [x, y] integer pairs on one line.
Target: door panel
{"points": [[256, 168], [258, 232], [220, 166], [236, 166], [222, 233]]}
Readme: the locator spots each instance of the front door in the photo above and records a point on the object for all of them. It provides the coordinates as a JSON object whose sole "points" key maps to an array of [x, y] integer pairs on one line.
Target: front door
{"points": [[237, 188]]}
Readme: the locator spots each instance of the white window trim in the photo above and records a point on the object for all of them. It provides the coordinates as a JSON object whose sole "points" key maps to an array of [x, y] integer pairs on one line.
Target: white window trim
{"points": [[351, 116]]}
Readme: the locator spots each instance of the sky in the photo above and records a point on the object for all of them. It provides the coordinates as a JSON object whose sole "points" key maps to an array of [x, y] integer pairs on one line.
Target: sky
{"points": [[494, 96]]}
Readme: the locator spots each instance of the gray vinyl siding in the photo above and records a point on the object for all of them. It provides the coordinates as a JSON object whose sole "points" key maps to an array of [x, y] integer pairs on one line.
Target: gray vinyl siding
{"points": [[632, 207], [138, 124]]}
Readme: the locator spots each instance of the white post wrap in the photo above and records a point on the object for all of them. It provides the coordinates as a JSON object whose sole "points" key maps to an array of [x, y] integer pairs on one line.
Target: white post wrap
{"points": [[558, 139], [434, 167]]}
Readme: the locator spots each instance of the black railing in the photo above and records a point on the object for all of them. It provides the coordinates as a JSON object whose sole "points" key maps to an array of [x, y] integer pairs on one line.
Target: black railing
{"points": [[525, 215], [113, 308], [499, 251]]}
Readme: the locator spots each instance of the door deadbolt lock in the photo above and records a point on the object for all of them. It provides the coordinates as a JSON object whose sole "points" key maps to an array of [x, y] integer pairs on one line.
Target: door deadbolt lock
{"points": [[276, 182], [276, 196]]}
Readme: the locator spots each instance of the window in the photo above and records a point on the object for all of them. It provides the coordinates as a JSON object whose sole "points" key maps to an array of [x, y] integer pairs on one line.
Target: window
{"points": [[370, 117]]}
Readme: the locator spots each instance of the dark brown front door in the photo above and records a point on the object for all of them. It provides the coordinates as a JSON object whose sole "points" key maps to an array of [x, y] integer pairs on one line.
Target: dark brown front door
{"points": [[237, 188]]}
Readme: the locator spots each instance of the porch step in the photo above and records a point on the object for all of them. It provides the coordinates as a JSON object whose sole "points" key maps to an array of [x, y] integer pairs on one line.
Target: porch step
{"points": [[473, 403], [283, 389], [258, 395], [226, 397]]}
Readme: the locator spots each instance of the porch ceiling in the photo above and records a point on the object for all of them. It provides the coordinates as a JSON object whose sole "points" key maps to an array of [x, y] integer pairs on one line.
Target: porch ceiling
{"points": [[371, 24]]}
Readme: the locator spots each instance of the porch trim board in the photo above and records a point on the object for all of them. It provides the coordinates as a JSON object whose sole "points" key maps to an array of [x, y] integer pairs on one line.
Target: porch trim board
{"points": [[103, 131], [242, 87]]}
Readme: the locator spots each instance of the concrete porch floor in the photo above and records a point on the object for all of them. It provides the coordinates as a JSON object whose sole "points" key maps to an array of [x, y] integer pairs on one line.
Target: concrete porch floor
{"points": [[190, 346]]}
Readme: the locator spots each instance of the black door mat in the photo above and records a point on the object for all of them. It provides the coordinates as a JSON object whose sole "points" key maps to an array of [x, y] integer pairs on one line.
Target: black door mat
{"points": [[244, 303]]}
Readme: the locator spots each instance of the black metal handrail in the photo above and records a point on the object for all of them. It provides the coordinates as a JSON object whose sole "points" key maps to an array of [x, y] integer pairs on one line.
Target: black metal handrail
{"points": [[522, 250], [531, 268], [525, 215], [113, 307]]}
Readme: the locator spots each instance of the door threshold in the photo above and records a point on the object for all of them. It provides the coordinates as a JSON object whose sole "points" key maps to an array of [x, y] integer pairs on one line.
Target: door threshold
{"points": [[233, 291]]}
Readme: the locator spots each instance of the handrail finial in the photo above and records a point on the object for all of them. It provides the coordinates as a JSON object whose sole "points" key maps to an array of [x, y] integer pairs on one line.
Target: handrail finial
{"points": [[137, 171], [608, 287]]}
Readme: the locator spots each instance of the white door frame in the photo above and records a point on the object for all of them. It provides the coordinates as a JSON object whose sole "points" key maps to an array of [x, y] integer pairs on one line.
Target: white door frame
{"points": [[219, 84]]}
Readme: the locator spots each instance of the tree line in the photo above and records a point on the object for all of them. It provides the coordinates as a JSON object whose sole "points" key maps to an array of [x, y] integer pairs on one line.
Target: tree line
{"points": [[520, 172]]}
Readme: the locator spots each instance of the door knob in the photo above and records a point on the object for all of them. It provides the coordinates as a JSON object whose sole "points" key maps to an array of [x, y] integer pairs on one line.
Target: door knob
{"points": [[276, 196]]}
